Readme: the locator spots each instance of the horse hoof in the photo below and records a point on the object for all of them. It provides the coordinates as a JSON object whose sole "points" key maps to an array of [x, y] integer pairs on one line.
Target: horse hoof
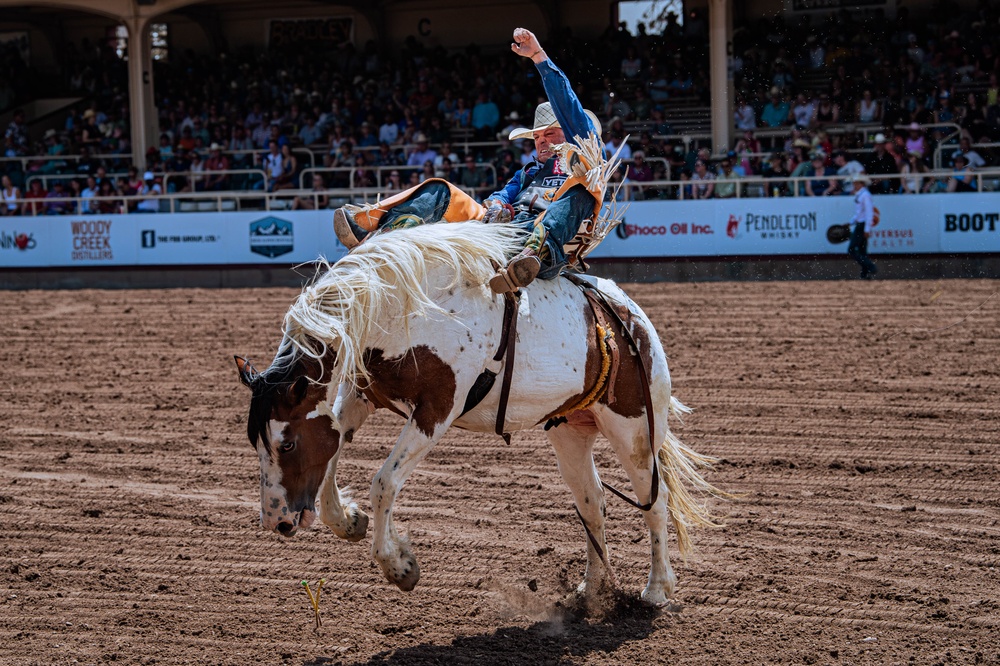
{"points": [[409, 574], [655, 599], [358, 528]]}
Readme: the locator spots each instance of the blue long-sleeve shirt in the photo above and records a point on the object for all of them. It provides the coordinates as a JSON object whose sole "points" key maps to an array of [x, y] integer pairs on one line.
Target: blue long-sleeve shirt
{"points": [[568, 111]]}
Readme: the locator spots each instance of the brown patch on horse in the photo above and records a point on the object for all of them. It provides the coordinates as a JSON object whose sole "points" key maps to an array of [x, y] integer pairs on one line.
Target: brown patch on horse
{"points": [[418, 377], [380, 401], [303, 469], [592, 368]]}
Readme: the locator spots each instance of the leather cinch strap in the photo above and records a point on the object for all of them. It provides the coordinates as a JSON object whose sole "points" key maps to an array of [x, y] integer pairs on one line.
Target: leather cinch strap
{"points": [[597, 302]]}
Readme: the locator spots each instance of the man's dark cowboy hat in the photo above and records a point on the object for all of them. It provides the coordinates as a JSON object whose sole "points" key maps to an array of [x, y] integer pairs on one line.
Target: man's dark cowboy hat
{"points": [[838, 233]]}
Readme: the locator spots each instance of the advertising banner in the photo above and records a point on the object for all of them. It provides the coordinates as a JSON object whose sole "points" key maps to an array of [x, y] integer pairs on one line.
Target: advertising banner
{"points": [[291, 33], [970, 223], [918, 224], [25, 242], [908, 224], [780, 226], [275, 237], [905, 225], [664, 229]]}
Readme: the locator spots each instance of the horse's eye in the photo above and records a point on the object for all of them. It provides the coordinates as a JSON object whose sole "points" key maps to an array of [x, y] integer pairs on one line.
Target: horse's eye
{"points": [[287, 447]]}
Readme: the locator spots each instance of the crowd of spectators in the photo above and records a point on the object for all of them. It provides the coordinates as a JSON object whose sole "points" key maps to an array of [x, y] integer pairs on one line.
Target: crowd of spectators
{"points": [[379, 121], [387, 122], [901, 88], [895, 98]]}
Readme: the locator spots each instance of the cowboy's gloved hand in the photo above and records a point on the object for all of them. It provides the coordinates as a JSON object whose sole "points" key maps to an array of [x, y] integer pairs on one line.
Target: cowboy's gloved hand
{"points": [[498, 212]]}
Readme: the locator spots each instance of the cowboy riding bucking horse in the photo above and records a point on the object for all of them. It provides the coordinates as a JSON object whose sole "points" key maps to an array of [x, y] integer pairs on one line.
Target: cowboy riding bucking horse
{"points": [[549, 198]]}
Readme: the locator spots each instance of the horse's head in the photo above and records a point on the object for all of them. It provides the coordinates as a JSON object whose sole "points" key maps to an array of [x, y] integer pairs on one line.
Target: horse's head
{"points": [[296, 424]]}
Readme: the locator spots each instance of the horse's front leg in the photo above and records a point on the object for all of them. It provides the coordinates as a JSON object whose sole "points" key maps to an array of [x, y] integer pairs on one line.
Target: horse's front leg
{"points": [[389, 550], [336, 509]]}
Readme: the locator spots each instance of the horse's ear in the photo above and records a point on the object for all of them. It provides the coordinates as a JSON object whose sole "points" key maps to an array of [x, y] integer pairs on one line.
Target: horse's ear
{"points": [[247, 372], [297, 391]]}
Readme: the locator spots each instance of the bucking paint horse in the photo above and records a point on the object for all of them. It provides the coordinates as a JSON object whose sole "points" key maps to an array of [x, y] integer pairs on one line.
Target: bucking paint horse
{"points": [[406, 322]]}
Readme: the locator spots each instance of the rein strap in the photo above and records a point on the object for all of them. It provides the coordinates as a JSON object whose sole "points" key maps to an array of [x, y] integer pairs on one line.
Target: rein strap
{"points": [[507, 345]]}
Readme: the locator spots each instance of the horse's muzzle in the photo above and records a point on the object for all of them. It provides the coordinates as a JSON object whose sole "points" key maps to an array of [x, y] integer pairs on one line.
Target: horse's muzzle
{"points": [[304, 520]]}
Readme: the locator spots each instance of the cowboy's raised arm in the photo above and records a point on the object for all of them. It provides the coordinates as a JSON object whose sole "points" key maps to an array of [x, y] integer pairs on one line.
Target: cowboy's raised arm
{"points": [[565, 104]]}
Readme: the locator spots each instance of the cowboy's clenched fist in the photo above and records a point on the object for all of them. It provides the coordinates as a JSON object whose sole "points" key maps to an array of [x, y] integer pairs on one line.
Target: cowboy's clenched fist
{"points": [[525, 43]]}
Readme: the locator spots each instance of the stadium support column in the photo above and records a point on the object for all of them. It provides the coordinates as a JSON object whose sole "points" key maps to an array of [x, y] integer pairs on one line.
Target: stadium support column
{"points": [[142, 109], [720, 45]]}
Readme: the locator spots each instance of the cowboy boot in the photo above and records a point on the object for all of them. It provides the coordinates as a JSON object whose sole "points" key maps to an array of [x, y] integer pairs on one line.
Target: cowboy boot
{"points": [[519, 272], [349, 233]]}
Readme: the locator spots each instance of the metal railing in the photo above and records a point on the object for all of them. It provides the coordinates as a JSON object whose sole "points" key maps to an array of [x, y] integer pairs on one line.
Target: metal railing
{"points": [[190, 202], [202, 176], [984, 180], [864, 131], [379, 170], [48, 177], [316, 153], [25, 160]]}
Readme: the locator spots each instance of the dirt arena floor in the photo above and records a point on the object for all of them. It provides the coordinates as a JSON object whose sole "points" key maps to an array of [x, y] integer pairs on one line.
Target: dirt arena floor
{"points": [[859, 421]]}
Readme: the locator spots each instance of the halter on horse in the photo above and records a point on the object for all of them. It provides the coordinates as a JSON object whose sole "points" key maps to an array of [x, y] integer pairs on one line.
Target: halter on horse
{"points": [[406, 322]]}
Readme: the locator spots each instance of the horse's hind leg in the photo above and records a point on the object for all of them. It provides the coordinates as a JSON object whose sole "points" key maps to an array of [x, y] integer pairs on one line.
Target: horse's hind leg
{"points": [[574, 447], [629, 439], [336, 509]]}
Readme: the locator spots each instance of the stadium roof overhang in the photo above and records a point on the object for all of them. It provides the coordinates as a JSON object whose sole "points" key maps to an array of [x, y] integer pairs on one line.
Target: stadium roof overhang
{"points": [[373, 10]]}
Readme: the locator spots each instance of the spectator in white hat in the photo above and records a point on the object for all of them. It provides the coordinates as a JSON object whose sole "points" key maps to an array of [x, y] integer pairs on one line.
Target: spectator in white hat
{"points": [[216, 163], [513, 122], [962, 178], [150, 189], [422, 152], [916, 141], [863, 222], [965, 149], [881, 163]]}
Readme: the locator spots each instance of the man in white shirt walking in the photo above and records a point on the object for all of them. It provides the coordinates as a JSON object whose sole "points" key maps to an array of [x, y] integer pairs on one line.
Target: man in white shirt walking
{"points": [[863, 221]]}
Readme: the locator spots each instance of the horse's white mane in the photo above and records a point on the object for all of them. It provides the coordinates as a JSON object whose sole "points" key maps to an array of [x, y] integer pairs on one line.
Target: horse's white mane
{"points": [[351, 301]]}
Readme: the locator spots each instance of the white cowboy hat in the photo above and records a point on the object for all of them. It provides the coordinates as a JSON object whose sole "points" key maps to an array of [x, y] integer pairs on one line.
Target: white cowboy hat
{"points": [[860, 178], [546, 118]]}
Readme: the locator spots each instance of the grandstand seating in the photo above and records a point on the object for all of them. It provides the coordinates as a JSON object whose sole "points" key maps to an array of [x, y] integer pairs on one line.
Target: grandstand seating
{"points": [[685, 125]]}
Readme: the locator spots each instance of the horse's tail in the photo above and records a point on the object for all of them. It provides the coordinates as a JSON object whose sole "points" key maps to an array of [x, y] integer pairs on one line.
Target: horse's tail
{"points": [[678, 409], [680, 467]]}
